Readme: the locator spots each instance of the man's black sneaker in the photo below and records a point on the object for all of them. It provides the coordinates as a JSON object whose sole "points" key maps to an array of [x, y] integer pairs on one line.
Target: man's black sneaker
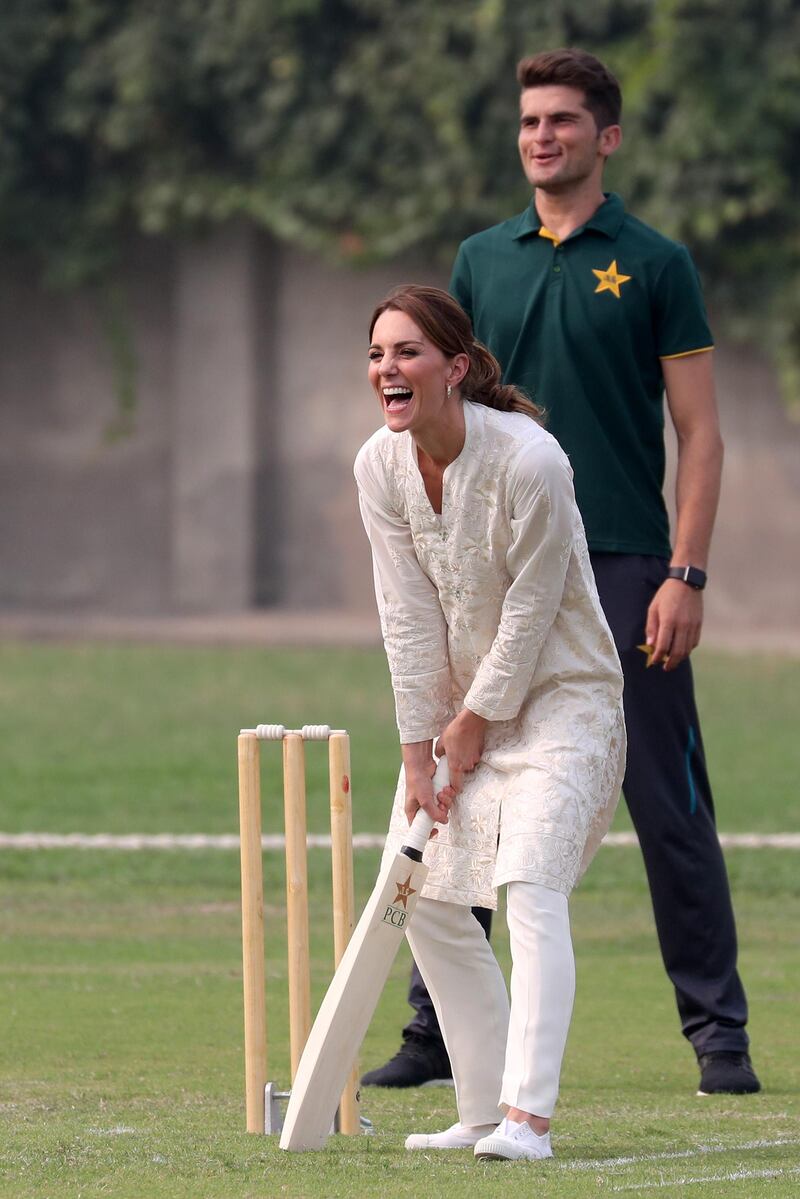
{"points": [[727, 1074], [419, 1062]]}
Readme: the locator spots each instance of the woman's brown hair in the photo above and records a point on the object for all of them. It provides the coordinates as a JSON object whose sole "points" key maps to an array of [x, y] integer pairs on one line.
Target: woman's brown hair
{"points": [[445, 323]]}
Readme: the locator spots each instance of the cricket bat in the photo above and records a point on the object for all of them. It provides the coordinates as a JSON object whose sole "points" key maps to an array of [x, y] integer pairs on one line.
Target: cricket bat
{"points": [[351, 999]]}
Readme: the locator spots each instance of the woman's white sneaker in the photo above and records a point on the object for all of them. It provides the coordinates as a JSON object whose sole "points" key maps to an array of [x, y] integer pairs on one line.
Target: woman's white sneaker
{"points": [[514, 1142], [459, 1136]]}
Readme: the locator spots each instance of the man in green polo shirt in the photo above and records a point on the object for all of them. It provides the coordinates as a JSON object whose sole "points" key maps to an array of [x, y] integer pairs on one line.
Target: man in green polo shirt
{"points": [[598, 316], [584, 324]]}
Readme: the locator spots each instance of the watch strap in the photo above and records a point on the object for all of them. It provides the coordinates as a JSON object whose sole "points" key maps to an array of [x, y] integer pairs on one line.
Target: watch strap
{"points": [[693, 576]]}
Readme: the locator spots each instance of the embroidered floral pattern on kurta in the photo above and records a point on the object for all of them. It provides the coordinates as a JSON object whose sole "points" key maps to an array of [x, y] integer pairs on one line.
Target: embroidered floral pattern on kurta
{"points": [[492, 605]]}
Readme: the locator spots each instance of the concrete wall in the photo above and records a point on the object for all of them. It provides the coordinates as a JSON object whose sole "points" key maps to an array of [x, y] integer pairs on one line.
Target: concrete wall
{"points": [[234, 487], [755, 563], [83, 517]]}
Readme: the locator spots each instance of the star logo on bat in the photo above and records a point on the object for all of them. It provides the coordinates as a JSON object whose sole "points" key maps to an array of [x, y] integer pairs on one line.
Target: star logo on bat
{"points": [[404, 892], [610, 279]]}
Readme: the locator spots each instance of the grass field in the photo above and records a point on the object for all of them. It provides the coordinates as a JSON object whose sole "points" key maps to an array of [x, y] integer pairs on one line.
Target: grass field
{"points": [[120, 974]]}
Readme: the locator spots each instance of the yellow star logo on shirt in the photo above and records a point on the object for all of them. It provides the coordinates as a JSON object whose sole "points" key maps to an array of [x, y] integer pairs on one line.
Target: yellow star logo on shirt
{"points": [[610, 279], [404, 892]]}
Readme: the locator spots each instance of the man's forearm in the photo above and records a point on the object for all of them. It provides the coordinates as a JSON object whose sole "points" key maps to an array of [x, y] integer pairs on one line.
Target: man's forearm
{"points": [[693, 407], [697, 489]]}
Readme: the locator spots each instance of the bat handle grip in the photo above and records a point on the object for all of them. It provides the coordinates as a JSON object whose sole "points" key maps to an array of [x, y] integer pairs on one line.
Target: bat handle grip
{"points": [[420, 830]]}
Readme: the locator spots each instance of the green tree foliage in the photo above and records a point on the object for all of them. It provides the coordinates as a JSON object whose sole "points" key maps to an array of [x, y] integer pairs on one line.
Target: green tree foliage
{"points": [[715, 159], [357, 127], [363, 128]]}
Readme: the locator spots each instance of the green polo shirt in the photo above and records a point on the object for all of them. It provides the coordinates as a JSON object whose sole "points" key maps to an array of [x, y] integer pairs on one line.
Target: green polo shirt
{"points": [[582, 326]]}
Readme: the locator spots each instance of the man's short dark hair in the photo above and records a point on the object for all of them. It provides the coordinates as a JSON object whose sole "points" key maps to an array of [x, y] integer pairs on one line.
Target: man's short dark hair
{"points": [[584, 72]]}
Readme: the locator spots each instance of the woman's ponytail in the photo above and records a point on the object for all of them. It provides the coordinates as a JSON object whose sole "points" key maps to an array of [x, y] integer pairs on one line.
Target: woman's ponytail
{"points": [[483, 384]]}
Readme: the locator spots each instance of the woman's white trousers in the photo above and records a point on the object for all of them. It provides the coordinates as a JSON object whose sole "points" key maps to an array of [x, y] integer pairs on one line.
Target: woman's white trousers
{"points": [[500, 1059]]}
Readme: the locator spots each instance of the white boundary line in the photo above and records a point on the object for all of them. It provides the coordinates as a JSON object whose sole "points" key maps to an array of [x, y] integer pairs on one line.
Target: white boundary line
{"points": [[271, 842], [733, 1176], [607, 1163], [615, 1164], [726, 840]]}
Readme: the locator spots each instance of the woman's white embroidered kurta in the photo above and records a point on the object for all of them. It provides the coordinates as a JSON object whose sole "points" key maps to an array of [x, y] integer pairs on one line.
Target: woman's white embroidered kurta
{"points": [[493, 605]]}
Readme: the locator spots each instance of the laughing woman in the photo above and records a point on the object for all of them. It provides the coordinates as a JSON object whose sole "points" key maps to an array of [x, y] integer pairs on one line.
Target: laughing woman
{"points": [[498, 648]]}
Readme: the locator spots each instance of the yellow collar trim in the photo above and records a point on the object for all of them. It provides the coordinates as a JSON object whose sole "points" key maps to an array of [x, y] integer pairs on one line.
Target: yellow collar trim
{"points": [[544, 232]]}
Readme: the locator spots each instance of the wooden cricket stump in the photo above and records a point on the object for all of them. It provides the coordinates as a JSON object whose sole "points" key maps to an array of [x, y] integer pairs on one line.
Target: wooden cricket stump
{"points": [[262, 1096]]}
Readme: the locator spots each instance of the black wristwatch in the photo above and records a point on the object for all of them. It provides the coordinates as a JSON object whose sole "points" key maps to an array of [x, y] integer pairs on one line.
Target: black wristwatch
{"points": [[693, 576]]}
